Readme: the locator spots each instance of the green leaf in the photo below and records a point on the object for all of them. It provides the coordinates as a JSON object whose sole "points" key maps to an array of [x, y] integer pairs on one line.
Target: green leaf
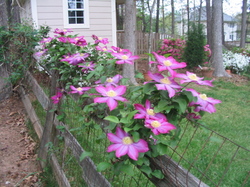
{"points": [[182, 104], [131, 114], [139, 75], [136, 136], [128, 169], [148, 88], [146, 169], [125, 120], [103, 166], [85, 154], [61, 116], [162, 149], [60, 127], [158, 174], [163, 105], [112, 119], [111, 126]]}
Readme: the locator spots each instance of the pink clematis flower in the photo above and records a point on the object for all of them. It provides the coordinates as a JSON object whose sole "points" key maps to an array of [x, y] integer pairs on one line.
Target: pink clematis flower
{"points": [[147, 111], [56, 98], [125, 57], [166, 83], [192, 116], [124, 144], [203, 103], [63, 39], [87, 66], [191, 77], [111, 95], [79, 41], [159, 126], [41, 53], [46, 40], [100, 40], [62, 31], [75, 58], [79, 90], [168, 63], [111, 81]]}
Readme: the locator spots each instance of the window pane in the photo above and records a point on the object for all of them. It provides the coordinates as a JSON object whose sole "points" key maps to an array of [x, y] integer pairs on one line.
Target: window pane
{"points": [[79, 5], [80, 20], [72, 20], [79, 13], [72, 13], [71, 4]]}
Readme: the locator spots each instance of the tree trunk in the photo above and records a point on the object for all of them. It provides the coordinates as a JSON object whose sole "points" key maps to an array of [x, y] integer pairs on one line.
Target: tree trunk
{"points": [[188, 16], [163, 17], [217, 59], [199, 21], [209, 20], [157, 16], [243, 24], [173, 19], [130, 38]]}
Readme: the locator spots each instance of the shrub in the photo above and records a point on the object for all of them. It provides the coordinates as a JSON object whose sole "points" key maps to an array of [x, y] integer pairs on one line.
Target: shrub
{"points": [[194, 53]]}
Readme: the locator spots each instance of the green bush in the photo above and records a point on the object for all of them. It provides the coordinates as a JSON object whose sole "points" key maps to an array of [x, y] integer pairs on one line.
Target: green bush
{"points": [[194, 53]]}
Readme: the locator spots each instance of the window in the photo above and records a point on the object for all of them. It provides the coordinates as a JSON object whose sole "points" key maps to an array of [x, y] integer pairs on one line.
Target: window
{"points": [[231, 37], [76, 14], [231, 25]]}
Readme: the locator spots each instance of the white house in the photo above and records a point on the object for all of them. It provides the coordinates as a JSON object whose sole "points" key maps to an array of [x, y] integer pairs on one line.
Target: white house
{"points": [[84, 17], [230, 26]]}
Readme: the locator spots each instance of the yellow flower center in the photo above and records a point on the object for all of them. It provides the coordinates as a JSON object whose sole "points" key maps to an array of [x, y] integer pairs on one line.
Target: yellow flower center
{"points": [[150, 112], [77, 39], [111, 93], [127, 140], [109, 80], [81, 54], [203, 96], [79, 89], [104, 49], [155, 124], [124, 57], [165, 81], [99, 38], [167, 63], [193, 77]]}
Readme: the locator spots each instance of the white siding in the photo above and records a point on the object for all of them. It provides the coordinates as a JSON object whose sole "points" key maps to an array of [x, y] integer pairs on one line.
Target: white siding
{"points": [[50, 13]]}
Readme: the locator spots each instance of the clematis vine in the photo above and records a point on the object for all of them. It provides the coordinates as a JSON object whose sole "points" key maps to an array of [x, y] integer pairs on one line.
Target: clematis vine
{"points": [[41, 53], [100, 40], [56, 98], [124, 57], [159, 125], [203, 102], [62, 31], [192, 77], [79, 90], [124, 144], [79, 41], [166, 83], [147, 111], [87, 66], [110, 95], [46, 40]]}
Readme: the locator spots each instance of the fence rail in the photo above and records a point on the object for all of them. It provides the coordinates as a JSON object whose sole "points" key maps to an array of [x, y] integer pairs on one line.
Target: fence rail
{"points": [[171, 165], [142, 41]]}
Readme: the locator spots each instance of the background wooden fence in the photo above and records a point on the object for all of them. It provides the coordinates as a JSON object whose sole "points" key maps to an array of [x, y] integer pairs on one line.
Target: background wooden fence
{"points": [[71, 141], [142, 41]]}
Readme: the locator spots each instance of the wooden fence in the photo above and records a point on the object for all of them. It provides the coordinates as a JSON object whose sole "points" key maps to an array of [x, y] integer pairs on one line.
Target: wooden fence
{"points": [[142, 41], [175, 174]]}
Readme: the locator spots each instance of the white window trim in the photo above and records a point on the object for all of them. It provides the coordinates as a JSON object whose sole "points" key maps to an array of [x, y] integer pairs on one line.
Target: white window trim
{"points": [[86, 15]]}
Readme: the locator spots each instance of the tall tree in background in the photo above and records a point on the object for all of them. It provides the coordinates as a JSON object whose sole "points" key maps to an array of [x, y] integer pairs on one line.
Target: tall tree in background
{"points": [[130, 38], [188, 18], [209, 20], [173, 18], [243, 24], [157, 16], [163, 17], [217, 59]]}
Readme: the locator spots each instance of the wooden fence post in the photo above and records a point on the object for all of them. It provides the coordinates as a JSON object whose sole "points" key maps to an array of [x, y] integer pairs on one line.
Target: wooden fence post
{"points": [[49, 128]]}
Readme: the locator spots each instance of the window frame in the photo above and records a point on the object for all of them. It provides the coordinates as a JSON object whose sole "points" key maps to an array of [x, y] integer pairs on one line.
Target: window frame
{"points": [[85, 15]]}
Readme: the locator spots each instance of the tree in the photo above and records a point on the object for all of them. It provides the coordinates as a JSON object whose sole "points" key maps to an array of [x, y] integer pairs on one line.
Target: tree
{"points": [[157, 16], [209, 20], [217, 59], [243, 24], [130, 38], [173, 18]]}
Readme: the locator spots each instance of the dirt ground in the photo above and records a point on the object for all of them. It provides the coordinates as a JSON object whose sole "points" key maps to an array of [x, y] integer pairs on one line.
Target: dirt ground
{"points": [[18, 164]]}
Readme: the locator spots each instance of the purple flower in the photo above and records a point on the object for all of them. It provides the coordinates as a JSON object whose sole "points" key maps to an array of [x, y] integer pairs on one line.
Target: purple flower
{"points": [[166, 83], [159, 126], [191, 77], [124, 144], [203, 102], [46, 40], [147, 111], [79, 90], [75, 58], [56, 98], [79, 41], [63, 39], [168, 63], [125, 57], [40, 53], [100, 40], [62, 31], [87, 66], [111, 81], [110, 95]]}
